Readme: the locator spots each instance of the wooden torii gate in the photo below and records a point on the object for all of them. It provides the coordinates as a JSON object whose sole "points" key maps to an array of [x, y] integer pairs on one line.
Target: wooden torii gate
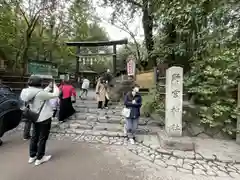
{"points": [[78, 45]]}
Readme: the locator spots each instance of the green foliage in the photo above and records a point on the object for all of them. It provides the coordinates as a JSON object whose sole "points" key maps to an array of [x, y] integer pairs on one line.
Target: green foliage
{"points": [[40, 32], [203, 37], [153, 102], [148, 104], [214, 83]]}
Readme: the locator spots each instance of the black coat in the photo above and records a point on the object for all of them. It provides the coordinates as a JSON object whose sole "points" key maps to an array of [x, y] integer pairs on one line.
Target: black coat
{"points": [[10, 112]]}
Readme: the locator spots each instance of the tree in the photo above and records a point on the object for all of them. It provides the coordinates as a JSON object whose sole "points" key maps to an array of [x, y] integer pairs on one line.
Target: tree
{"points": [[38, 30], [202, 36], [30, 12], [146, 8], [123, 23]]}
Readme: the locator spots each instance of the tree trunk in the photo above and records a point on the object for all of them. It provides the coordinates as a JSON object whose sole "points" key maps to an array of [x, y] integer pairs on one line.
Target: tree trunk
{"points": [[147, 21], [39, 47], [25, 54]]}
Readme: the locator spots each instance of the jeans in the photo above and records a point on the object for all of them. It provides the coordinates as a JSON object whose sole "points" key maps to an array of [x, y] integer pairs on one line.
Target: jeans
{"points": [[131, 126], [39, 138], [27, 129]]}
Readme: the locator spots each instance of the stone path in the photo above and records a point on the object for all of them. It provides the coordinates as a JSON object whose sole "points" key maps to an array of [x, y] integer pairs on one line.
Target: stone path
{"points": [[211, 158], [72, 160]]}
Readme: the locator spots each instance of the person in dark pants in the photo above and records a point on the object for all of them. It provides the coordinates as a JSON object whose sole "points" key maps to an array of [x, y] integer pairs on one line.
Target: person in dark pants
{"points": [[102, 94], [26, 130], [133, 102], [37, 97], [66, 103]]}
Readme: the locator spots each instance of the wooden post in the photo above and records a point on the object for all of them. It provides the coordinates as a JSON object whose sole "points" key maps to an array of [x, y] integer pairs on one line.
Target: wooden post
{"points": [[238, 118], [77, 63], [114, 60]]}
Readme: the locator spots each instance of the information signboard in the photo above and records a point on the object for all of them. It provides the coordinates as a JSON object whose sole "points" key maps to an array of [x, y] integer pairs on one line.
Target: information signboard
{"points": [[42, 68]]}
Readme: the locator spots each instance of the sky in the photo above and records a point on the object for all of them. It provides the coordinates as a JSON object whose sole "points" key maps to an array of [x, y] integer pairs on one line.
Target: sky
{"points": [[114, 32]]}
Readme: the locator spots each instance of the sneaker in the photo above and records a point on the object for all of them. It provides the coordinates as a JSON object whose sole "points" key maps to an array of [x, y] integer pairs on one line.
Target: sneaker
{"points": [[27, 138], [43, 160], [131, 141], [31, 160], [106, 108], [54, 118]]}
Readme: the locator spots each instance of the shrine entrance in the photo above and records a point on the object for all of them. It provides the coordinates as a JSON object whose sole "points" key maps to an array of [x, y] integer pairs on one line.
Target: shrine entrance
{"points": [[89, 44]]}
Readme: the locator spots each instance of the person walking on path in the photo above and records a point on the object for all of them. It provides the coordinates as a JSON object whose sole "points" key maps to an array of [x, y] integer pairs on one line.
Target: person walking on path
{"points": [[38, 100], [102, 94], [66, 108], [85, 87], [133, 102]]}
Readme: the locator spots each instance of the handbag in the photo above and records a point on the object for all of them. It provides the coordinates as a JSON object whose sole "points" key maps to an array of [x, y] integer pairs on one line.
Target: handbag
{"points": [[126, 112], [31, 115]]}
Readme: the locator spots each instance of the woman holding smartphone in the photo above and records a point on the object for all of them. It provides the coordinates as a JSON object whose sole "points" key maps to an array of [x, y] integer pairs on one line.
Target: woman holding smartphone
{"points": [[133, 102], [36, 97]]}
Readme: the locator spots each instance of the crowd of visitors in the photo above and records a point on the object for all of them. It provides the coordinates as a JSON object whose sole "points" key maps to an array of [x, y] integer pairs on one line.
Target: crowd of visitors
{"points": [[39, 106]]}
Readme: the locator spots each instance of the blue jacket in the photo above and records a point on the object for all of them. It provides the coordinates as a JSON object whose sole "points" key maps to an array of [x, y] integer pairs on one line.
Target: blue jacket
{"points": [[135, 108]]}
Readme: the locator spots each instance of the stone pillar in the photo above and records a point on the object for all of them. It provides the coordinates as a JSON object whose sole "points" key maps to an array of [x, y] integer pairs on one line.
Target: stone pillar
{"points": [[173, 101]]}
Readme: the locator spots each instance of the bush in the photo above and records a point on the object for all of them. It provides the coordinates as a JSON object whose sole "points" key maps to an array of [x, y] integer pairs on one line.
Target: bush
{"points": [[153, 102], [213, 81]]}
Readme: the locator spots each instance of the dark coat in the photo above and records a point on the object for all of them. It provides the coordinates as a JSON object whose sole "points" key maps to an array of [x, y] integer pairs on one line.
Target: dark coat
{"points": [[10, 113], [135, 108]]}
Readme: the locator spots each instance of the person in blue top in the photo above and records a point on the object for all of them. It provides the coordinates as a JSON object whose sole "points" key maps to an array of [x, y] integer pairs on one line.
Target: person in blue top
{"points": [[133, 101]]}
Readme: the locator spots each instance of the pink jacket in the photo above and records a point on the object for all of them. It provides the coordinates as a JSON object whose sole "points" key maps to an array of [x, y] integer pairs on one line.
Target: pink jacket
{"points": [[68, 91]]}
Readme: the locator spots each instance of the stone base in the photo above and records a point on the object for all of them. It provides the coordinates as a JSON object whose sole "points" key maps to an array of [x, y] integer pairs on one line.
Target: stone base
{"points": [[175, 143]]}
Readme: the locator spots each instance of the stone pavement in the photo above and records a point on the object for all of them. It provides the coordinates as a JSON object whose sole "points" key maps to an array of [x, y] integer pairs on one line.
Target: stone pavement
{"points": [[76, 161], [210, 158]]}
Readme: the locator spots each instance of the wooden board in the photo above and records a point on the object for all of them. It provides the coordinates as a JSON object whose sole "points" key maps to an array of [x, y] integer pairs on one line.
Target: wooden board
{"points": [[145, 80]]}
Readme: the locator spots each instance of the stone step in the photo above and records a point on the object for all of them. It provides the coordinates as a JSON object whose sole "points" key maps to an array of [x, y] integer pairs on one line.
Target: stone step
{"points": [[85, 118], [98, 111], [93, 102], [79, 127]]}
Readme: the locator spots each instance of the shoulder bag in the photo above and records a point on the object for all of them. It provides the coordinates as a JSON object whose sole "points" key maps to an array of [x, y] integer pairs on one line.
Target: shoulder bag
{"points": [[126, 112], [31, 115]]}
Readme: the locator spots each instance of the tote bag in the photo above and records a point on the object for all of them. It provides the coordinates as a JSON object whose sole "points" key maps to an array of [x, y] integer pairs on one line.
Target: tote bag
{"points": [[126, 112]]}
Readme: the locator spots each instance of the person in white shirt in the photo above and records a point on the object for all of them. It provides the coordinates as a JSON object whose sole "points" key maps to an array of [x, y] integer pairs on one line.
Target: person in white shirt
{"points": [[85, 87], [41, 128]]}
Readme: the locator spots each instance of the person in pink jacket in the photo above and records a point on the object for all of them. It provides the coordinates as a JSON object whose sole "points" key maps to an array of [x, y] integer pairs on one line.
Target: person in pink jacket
{"points": [[66, 108]]}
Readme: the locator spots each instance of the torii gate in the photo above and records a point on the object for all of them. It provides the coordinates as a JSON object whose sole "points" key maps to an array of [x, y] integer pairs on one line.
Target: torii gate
{"points": [[97, 44]]}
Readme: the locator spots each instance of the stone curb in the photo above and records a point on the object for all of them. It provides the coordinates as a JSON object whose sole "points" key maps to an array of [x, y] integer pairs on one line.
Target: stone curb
{"points": [[175, 153], [175, 143], [184, 154]]}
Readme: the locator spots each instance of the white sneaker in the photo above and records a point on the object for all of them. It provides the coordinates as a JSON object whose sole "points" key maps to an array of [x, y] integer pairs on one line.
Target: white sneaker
{"points": [[132, 141], [125, 130], [43, 160], [31, 160]]}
